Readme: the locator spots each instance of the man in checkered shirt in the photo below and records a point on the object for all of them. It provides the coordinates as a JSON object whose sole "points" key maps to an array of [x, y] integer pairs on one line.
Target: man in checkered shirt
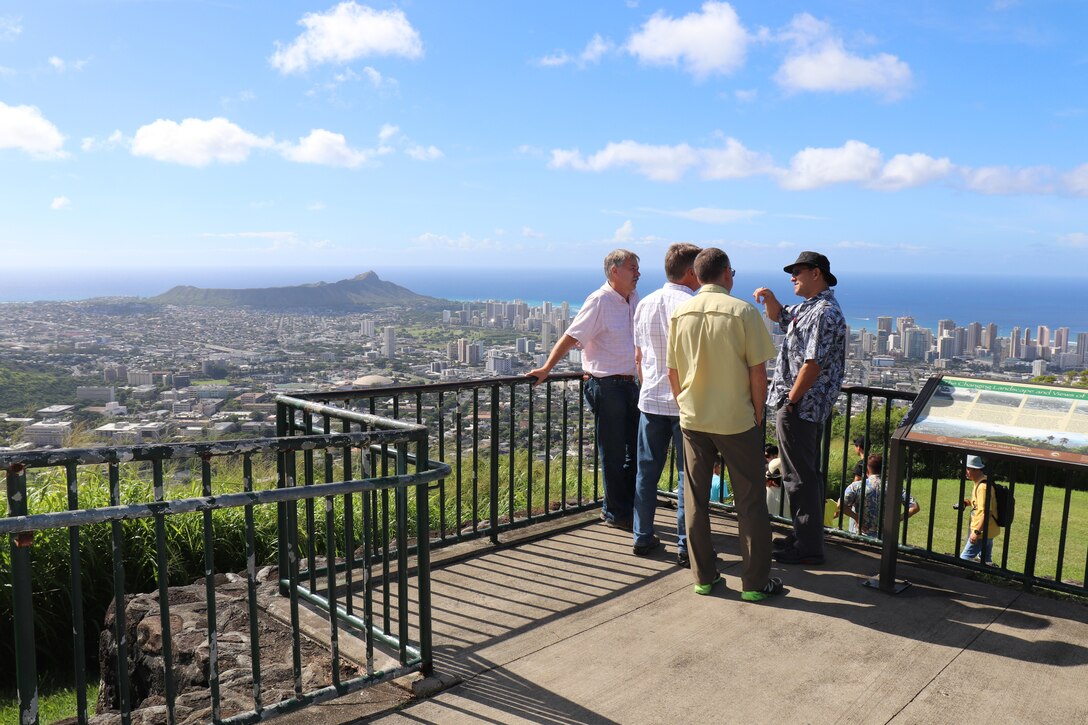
{"points": [[604, 330], [659, 422]]}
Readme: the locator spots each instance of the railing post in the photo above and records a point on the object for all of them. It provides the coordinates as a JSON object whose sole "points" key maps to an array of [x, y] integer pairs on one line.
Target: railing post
{"points": [[1033, 528], [889, 557], [281, 509], [423, 558], [26, 668], [494, 486]]}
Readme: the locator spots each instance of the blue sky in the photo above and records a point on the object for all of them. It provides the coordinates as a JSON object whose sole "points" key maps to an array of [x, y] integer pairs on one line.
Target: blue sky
{"points": [[893, 136]]}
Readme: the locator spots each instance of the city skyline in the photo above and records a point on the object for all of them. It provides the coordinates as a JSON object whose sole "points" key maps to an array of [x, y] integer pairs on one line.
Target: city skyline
{"points": [[143, 135]]}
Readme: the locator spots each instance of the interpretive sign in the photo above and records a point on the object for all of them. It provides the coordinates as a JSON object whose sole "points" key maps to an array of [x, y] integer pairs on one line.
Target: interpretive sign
{"points": [[1041, 422]]}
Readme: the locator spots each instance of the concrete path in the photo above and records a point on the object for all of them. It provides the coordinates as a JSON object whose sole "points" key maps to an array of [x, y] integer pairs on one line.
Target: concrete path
{"points": [[576, 629]]}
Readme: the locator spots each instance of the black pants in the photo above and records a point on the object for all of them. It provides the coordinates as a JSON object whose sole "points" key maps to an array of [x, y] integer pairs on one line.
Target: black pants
{"points": [[614, 403], [799, 444]]}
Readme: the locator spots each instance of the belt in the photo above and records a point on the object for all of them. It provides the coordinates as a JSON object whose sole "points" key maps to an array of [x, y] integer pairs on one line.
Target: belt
{"points": [[624, 378]]}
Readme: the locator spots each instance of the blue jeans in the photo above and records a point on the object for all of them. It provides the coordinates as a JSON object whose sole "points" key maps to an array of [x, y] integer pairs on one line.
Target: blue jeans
{"points": [[654, 434], [614, 403], [985, 547]]}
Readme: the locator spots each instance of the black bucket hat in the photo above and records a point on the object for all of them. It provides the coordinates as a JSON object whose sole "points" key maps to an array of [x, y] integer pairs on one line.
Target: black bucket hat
{"points": [[817, 260]]}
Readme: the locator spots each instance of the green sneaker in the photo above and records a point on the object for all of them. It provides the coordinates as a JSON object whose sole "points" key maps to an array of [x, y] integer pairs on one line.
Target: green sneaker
{"points": [[704, 589], [773, 586]]}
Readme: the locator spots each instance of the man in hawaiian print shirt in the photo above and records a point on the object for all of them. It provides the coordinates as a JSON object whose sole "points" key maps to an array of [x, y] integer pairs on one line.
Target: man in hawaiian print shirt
{"points": [[807, 378]]}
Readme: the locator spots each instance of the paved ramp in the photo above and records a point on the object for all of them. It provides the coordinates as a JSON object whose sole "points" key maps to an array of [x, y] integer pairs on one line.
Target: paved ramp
{"points": [[573, 628]]}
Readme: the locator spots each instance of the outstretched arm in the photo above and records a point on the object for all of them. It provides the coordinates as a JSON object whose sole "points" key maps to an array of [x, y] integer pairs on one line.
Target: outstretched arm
{"points": [[562, 347], [765, 297]]}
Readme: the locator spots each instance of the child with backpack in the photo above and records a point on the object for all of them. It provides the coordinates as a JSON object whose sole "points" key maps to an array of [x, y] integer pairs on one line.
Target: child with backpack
{"points": [[984, 515]]}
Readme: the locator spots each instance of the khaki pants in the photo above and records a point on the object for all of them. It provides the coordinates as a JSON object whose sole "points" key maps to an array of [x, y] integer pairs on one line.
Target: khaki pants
{"points": [[743, 456]]}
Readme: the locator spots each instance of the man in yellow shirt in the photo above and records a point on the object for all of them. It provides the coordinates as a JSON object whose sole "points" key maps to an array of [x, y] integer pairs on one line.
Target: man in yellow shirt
{"points": [[983, 502], [717, 354]]}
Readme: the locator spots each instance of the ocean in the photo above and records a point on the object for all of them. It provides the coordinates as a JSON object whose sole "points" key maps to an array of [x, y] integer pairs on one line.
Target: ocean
{"points": [[1007, 301]]}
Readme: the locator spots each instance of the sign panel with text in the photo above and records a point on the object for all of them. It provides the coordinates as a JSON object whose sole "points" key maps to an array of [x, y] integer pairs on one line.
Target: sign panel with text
{"points": [[1020, 419]]}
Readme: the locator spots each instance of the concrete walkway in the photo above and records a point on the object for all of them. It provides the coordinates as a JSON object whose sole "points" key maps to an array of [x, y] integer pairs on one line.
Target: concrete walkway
{"points": [[573, 628]]}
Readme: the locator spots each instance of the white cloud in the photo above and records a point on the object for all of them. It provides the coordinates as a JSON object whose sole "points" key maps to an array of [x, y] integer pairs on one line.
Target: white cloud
{"points": [[625, 233], [61, 203], [10, 28], [196, 142], [708, 215], [345, 33], [819, 61], [387, 132], [275, 242], [595, 49], [327, 149], [424, 153], [704, 43], [660, 163], [530, 233], [734, 161], [815, 167], [5, 71], [463, 243], [554, 60], [90, 143], [1005, 180], [24, 128], [316, 206], [1078, 240], [745, 96], [60, 65], [1076, 181], [906, 170], [376, 78]]}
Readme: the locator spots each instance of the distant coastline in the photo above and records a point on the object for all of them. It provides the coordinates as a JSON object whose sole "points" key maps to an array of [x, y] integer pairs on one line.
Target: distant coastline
{"points": [[1005, 301]]}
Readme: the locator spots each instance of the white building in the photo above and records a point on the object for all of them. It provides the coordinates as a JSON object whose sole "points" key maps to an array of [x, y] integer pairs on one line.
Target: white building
{"points": [[389, 341], [48, 433]]}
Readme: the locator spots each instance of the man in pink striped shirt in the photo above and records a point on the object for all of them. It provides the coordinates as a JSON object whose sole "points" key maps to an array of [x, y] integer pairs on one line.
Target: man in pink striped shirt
{"points": [[660, 420], [604, 330]]}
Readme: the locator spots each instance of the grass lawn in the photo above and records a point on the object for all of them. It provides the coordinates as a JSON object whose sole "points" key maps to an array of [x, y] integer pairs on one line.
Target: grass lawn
{"points": [[945, 519], [54, 704]]}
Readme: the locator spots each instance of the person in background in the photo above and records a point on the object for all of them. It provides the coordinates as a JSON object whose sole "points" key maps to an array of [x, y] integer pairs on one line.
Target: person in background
{"points": [[659, 420], [773, 476], [983, 503], [807, 379], [859, 449], [604, 329], [865, 495], [717, 355]]}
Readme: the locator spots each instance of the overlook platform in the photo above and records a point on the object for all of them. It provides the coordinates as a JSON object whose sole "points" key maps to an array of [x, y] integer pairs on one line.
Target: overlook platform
{"points": [[572, 627]]}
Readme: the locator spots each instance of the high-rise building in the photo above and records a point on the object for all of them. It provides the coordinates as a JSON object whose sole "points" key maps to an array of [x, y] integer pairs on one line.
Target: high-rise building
{"points": [[959, 342], [1015, 344], [546, 337], [1082, 346], [884, 324], [1061, 340], [902, 324], [1042, 334], [917, 341], [389, 341], [989, 337], [945, 326], [945, 347], [974, 338], [366, 327]]}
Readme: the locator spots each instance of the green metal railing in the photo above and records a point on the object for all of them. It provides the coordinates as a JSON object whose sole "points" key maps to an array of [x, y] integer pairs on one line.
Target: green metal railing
{"points": [[363, 437]]}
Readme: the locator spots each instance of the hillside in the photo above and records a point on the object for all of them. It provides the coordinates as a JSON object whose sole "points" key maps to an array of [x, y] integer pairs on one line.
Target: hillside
{"points": [[364, 292]]}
